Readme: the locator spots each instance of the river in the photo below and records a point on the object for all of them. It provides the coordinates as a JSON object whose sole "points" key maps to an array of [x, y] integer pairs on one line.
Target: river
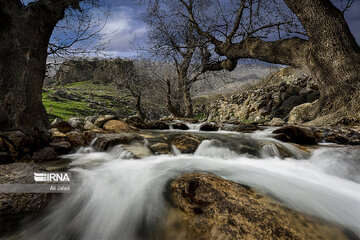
{"points": [[121, 198]]}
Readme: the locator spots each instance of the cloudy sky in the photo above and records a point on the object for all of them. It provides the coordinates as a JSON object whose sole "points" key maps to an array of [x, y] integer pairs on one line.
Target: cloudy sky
{"points": [[125, 25]]}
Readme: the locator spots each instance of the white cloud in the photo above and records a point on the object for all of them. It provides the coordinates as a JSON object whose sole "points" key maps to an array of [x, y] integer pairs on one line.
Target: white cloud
{"points": [[124, 27]]}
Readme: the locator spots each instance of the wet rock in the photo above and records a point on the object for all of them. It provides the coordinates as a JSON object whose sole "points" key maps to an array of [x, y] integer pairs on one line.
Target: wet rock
{"points": [[180, 126], [209, 127], [342, 136], [101, 120], [209, 207], [105, 141], [45, 154], [77, 139], [160, 125], [61, 125], [76, 122], [246, 128], [296, 134], [20, 203], [116, 126], [186, 143], [160, 148], [91, 119]]}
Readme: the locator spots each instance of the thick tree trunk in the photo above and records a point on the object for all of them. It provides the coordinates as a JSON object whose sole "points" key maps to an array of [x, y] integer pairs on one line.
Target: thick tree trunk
{"points": [[185, 89], [331, 55], [24, 36]]}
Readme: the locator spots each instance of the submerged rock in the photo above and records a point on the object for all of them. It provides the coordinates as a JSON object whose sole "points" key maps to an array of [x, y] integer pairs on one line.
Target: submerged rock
{"points": [[209, 207]]}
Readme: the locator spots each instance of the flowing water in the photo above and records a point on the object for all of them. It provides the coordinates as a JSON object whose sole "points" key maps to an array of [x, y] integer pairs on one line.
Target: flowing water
{"points": [[122, 198]]}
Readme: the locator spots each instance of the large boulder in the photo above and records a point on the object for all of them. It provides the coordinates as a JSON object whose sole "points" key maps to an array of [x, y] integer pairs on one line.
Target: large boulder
{"points": [[209, 207], [296, 134], [116, 126], [302, 113], [21, 203], [186, 143]]}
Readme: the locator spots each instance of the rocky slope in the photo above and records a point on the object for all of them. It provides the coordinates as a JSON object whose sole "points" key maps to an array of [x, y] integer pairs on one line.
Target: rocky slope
{"points": [[273, 98]]}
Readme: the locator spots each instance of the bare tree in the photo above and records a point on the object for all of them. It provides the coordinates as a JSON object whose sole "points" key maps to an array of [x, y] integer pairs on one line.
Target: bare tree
{"points": [[174, 38], [310, 34]]}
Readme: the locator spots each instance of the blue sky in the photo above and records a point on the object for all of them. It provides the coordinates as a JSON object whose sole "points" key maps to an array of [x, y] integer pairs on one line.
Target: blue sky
{"points": [[125, 25]]}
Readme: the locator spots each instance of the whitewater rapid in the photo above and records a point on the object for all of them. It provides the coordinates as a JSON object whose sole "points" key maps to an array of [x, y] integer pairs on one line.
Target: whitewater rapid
{"points": [[121, 198]]}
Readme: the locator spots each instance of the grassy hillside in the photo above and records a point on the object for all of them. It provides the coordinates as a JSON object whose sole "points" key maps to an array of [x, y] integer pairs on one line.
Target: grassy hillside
{"points": [[85, 99]]}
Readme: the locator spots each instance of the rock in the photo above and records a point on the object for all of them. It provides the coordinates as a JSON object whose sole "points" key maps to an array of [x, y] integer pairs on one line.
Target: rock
{"points": [[5, 158], [91, 119], [342, 136], [101, 120], [186, 143], [160, 125], [116, 126], [302, 113], [135, 121], [77, 139], [105, 141], [209, 127], [291, 102], [305, 91], [246, 128], [293, 90], [55, 133], [276, 122], [180, 126], [209, 207], [61, 125], [45, 154], [242, 112], [160, 148], [76, 122], [296, 134], [21, 203], [90, 126], [61, 146]]}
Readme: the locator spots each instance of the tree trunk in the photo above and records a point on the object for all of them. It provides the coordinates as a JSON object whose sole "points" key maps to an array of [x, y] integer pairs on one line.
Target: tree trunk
{"points": [[139, 111], [174, 110], [185, 88], [331, 55], [24, 36]]}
